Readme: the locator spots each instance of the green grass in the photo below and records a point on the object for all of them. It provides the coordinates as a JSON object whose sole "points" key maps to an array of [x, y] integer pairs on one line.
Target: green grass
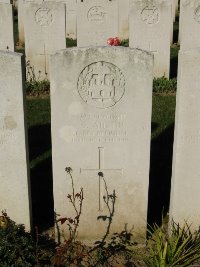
{"points": [[163, 112]]}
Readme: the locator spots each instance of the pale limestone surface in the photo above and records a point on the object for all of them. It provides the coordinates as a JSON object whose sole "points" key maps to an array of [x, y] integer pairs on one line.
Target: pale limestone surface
{"points": [[150, 29], [70, 19], [189, 24], [71, 30], [99, 124], [186, 167], [5, 1], [6, 27], [97, 20], [14, 169], [45, 34], [123, 6], [21, 21]]}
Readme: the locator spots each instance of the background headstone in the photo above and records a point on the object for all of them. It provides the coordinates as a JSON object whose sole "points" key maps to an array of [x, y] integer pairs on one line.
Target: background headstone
{"points": [[186, 156], [189, 24], [14, 169], [71, 9], [21, 21], [70, 18], [123, 19], [150, 29], [6, 27], [97, 20], [44, 35], [99, 124]]}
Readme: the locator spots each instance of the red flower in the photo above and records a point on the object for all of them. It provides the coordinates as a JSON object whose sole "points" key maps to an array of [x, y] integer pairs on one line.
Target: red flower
{"points": [[116, 41], [110, 41], [113, 41]]}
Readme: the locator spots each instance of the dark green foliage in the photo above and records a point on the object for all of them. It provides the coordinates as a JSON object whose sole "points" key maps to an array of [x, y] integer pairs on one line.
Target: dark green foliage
{"points": [[19, 249], [163, 85], [124, 42], [71, 42], [37, 88], [16, 246]]}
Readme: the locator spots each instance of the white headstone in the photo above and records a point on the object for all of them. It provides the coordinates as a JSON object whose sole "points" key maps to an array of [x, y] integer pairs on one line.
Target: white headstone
{"points": [[99, 124], [123, 19], [150, 29], [6, 27], [21, 21], [189, 24], [44, 34], [70, 18], [14, 170], [71, 7], [97, 20], [186, 167]]}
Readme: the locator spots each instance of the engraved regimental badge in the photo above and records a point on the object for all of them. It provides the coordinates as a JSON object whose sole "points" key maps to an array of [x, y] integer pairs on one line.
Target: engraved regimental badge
{"points": [[96, 14], [150, 15], [101, 84], [44, 16]]}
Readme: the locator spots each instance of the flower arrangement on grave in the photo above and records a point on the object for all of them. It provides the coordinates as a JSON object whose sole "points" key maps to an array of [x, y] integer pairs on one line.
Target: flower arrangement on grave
{"points": [[113, 41]]}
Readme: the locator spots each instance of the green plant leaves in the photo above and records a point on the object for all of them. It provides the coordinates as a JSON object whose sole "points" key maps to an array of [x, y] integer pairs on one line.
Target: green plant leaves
{"points": [[179, 248]]}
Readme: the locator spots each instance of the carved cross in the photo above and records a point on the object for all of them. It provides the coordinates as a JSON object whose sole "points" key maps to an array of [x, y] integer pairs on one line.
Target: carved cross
{"points": [[97, 173], [46, 59]]}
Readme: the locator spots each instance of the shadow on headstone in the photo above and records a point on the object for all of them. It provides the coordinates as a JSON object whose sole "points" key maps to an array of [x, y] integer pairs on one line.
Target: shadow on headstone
{"points": [[160, 175], [41, 177]]}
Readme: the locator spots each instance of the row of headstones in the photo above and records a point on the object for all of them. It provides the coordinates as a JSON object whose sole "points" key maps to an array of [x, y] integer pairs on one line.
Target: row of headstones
{"points": [[101, 102], [45, 26], [74, 8]]}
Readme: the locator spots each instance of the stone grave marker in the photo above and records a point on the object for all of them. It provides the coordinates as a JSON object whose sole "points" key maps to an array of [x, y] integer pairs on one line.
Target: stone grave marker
{"points": [[14, 164], [71, 30], [21, 21], [186, 153], [123, 19], [150, 29], [6, 27], [189, 24], [97, 20], [70, 19], [45, 33], [99, 124]]}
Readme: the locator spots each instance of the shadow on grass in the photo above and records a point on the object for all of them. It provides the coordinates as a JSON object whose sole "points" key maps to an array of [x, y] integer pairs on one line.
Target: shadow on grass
{"points": [[160, 175], [42, 195], [174, 66], [39, 140], [41, 177]]}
